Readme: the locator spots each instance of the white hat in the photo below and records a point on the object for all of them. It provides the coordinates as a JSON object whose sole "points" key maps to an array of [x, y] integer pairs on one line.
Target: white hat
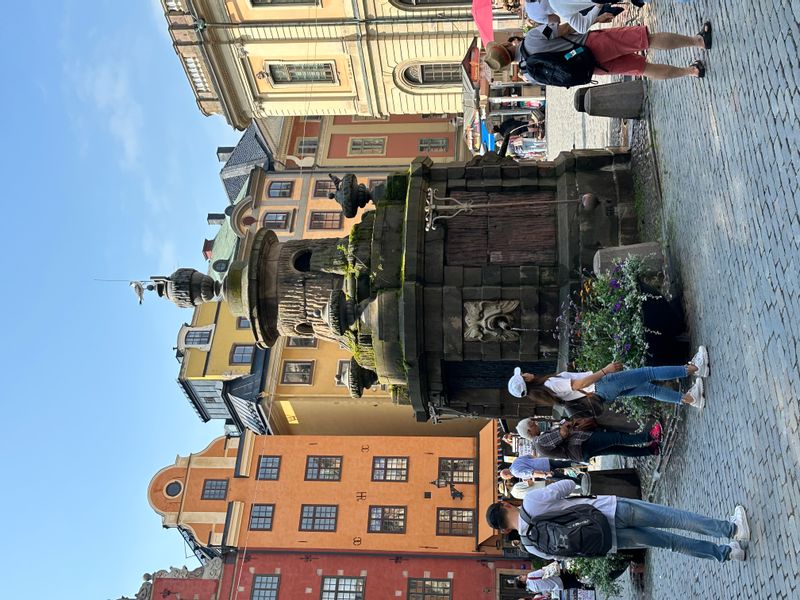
{"points": [[516, 385], [522, 428]]}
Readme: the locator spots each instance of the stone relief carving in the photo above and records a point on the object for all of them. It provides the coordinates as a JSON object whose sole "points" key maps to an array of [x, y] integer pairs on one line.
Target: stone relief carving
{"points": [[490, 321], [211, 570]]}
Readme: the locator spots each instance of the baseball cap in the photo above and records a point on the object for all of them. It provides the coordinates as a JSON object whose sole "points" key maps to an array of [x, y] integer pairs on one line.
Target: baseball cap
{"points": [[516, 385]]}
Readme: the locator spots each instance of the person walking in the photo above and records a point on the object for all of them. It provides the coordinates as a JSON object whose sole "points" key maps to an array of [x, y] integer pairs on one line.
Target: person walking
{"points": [[541, 582], [612, 382], [571, 440], [616, 50], [554, 527]]}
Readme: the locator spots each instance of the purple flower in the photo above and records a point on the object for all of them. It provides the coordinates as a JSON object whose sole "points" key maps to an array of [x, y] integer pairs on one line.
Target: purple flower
{"points": [[625, 348], [614, 284], [617, 268], [617, 307]]}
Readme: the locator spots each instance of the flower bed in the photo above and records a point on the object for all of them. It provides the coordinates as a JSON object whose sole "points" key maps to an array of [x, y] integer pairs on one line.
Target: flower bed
{"points": [[609, 327], [600, 572]]}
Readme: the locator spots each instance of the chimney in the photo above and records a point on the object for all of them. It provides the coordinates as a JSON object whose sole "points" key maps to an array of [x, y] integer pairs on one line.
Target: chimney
{"points": [[224, 153], [216, 218], [208, 246]]}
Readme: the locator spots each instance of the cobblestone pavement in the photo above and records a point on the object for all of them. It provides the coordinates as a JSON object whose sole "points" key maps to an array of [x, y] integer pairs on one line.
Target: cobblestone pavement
{"points": [[727, 151]]}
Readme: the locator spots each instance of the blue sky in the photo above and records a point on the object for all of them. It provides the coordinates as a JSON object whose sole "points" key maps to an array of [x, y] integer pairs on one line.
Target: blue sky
{"points": [[109, 170]]}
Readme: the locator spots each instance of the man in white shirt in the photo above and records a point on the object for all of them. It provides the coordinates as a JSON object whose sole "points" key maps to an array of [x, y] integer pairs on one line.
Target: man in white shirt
{"points": [[633, 523]]}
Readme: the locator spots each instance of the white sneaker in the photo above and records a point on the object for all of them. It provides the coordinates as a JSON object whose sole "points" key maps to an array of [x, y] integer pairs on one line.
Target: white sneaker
{"points": [[737, 552], [739, 518], [696, 392], [700, 360]]}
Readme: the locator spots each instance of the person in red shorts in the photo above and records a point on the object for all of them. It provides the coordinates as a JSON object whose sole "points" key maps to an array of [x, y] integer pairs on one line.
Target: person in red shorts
{"points": [[616, 50]]}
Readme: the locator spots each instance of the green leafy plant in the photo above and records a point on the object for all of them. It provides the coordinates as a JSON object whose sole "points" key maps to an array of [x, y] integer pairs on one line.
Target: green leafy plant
{"points": [[600, 572], [609, 327]]}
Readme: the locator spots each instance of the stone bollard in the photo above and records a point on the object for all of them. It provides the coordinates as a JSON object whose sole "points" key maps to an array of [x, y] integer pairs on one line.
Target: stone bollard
{"points": [[650, 252], [624, 100]]}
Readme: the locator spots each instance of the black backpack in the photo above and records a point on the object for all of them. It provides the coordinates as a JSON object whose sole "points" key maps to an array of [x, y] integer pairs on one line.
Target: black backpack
{"points": [[561, 69], [581, 530]]}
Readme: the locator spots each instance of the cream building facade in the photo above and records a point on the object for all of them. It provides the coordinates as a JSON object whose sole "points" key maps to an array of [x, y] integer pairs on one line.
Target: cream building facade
{"points": [[253, 59]]}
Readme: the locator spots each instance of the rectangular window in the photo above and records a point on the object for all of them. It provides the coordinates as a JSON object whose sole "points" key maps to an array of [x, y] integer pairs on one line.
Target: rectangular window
{"points": [[276, 220], [433, 145], [366, 146], [215, 489], [261, 517], [441, 73], [302, 342], [387, 519], [343, 588], [429, 589], [457, 470], [326, 220], [268, 467], [323, 468], [312, 118], [390, 468], [373, 183], [455, 521], [343, 372], [241, 354], [306, 146], [297, 372], [197, 338], [280, 189], [242, 323], [323, 187], [318, 517], [265, 587], [302, 73]]}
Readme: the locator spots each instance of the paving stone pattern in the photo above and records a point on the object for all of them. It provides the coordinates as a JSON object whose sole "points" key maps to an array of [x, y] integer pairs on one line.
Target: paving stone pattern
{"points": [[728, 154]]}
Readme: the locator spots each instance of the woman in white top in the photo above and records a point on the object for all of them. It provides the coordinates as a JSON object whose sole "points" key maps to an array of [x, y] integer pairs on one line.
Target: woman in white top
{"points": [[612, 381], [582, 14]]}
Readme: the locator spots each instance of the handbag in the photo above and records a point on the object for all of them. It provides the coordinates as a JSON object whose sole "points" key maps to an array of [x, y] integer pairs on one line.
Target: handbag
{"points": [[586, 406]]}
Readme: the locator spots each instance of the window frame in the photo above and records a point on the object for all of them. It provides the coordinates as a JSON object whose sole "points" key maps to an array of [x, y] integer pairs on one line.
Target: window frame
{"points": [[291, 344], [255, 589], [287, 362], [268, 73], [421, 146], [452, 471], [342, 372], [232, 355], [361, 593], [383, 520], [324, 220], [387, 468], [314, 518], [282, 183], [277, 468], [239, 323], [320, 468], [450, 510], [329, 185], [425, 594], [287, 215], [351, 142], [206, 490], [252, 516], [298, 146], [205, 334]]}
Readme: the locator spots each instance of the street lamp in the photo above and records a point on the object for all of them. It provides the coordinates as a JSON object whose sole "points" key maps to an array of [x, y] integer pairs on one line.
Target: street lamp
{"points": [[441, 482], [432, 210]]}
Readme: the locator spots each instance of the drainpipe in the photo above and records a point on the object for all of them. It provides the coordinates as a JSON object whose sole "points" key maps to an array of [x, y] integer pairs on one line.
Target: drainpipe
{"points": [[364, 74]]}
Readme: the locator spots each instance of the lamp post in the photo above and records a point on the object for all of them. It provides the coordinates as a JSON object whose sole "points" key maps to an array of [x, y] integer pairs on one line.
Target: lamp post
{"points": [[433, 210], [441, 482]]}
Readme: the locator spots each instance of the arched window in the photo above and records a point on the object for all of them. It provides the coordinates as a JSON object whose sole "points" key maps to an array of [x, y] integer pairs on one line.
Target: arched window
{"points": [[433, 74]]}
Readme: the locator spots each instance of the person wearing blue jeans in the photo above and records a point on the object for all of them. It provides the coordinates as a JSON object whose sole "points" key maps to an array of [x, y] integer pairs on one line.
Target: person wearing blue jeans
{"points": [[612, 382], [634, 523]]}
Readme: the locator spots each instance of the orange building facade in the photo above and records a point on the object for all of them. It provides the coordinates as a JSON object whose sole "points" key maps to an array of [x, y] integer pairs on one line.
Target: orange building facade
{"points": [[334, 493]]}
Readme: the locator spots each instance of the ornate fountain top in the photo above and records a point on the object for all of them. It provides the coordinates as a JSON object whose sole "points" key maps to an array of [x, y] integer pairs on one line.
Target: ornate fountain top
{"points": [[185, 287]]}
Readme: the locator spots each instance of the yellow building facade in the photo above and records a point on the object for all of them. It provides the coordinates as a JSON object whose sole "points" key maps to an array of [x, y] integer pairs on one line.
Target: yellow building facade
{"points": [[252, 59]]}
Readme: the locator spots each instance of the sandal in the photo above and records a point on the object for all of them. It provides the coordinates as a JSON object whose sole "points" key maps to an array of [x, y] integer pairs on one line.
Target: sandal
{"points": [[706, 34], [701, 68]]}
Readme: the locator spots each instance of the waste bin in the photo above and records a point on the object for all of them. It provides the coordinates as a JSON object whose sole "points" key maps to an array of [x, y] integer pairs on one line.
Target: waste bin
{"points": [[624, 100]]}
